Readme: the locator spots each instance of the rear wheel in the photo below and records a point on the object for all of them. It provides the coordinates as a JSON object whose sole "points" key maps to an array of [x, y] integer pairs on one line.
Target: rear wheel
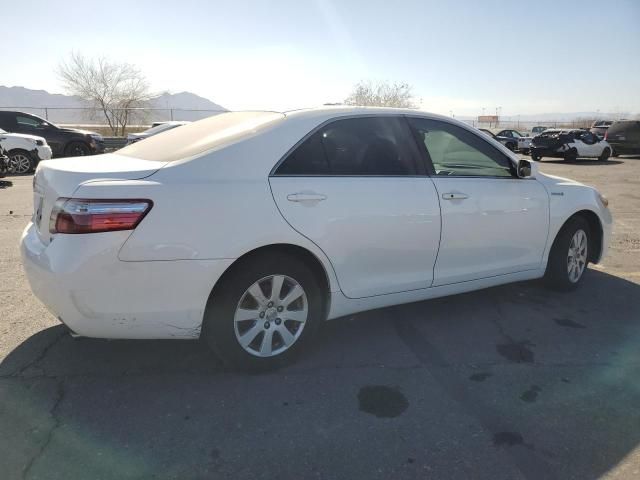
{"points": [[571, 155], [511, 146], [569, 255], [20, 162], [264, 313], [605, 155], [77, 149]]}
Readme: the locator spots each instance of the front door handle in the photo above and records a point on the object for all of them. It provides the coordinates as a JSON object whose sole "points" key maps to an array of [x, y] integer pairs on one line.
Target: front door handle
{"points": [[306, 197], [454, 196]]}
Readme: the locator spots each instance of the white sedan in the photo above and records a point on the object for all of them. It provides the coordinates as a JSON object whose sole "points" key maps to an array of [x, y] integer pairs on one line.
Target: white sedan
{"points": [[24, 151], [249, 229]]}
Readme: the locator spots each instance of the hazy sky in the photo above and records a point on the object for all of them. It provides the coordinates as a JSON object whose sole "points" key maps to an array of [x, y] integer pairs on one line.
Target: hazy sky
{"points": [[528, 56]]}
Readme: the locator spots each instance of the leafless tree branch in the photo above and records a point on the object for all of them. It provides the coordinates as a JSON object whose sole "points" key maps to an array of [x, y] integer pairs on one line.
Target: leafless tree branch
{"points": [[382, 94], [116, 89]]}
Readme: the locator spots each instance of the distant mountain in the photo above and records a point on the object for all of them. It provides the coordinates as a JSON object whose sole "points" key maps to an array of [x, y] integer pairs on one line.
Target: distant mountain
{"points": [[69, 109]]}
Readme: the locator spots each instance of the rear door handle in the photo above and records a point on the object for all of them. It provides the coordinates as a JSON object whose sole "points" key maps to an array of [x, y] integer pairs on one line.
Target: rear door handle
{"points": [[454, 196], [306, 197]]}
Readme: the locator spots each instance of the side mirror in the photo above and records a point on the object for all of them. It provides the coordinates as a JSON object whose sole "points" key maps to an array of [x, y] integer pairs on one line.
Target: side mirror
{"points": [[526, 168]]}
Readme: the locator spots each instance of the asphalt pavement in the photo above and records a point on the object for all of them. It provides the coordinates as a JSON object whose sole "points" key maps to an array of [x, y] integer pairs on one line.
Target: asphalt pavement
{"points": [[513, 382]]}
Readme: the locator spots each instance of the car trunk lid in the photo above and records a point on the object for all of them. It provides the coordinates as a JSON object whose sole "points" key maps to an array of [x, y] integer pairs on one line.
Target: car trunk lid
{"points": [[62, 177]]}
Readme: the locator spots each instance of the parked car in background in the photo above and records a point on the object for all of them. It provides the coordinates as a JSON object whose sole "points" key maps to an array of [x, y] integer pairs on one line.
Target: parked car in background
{"points": [[570, 145], [24, 151], [273, 223], [64, 142], [155, 130], [624, 137], [488, 132], [537, 130], [600, 127], [509, 138], [4, 163]]}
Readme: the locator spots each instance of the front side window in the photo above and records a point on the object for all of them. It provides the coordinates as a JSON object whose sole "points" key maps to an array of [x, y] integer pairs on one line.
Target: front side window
{"points": [[454, 151], [367, 146]]}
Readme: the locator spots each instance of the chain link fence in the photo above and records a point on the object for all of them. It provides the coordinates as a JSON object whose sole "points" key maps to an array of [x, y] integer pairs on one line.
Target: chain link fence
{"points": [[142, 118]]}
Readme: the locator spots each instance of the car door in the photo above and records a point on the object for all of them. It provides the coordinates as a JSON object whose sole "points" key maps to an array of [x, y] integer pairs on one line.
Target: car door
{"points": [[33, 125], [357, 188], [493, 223], [588, 145]]}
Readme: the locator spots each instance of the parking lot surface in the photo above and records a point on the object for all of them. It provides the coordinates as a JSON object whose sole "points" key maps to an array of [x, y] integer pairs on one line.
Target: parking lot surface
{"points": [[513, 382]]}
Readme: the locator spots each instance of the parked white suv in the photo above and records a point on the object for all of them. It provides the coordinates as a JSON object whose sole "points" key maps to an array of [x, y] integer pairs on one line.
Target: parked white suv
{"points": [[251, 228], [24, 151]]}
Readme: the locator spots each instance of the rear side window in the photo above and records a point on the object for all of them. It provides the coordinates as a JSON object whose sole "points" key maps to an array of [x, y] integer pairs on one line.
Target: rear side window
{"points": [[308, 159], [368, 146]]}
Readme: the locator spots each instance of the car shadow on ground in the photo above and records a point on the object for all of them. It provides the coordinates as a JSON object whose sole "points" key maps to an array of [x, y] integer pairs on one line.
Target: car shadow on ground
{"points": [[510, 382], [586, 162]]}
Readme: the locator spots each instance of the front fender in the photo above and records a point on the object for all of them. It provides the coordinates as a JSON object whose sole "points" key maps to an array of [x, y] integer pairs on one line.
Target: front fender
{"points": [[569, 199]]}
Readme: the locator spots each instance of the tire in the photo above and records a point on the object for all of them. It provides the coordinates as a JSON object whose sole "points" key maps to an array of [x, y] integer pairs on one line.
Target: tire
{"points": [[558, 274], [605, 155], [21, 162], [77, 149], [535, 157], [511, 146], [571, 156], [261, 325]]}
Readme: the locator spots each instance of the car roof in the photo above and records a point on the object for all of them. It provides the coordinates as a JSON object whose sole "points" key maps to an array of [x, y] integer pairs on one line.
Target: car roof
{"points": [[330, 112]]}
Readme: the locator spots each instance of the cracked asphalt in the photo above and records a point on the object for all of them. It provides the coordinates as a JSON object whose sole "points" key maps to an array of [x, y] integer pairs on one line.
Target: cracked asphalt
{"points": [[513, 382]]}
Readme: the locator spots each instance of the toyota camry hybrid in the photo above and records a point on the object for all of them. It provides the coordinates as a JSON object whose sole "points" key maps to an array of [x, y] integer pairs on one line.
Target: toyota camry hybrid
{"points": [[248, 229]]}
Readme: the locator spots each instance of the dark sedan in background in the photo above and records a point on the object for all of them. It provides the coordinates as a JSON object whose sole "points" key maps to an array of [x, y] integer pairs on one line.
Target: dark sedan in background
{"points": [[64, 142]]}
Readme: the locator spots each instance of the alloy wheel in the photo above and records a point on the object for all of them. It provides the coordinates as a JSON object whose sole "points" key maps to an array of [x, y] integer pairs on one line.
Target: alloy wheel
{"points": [[577, 256], [271, 316], [20, 163]]}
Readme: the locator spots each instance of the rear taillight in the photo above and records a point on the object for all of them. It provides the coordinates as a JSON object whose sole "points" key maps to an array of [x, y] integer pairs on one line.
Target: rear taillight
{"points": [[606, 132], [87, 215]]}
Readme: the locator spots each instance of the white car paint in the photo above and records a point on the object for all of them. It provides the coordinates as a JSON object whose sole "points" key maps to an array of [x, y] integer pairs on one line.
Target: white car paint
{"points": [[524, 143], [378, 239], [29, 143]]}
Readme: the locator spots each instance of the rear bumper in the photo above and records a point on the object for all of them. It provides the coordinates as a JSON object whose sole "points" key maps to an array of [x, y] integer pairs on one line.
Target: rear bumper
{"points": [[43, 152], [625, 148], [96, 295]]}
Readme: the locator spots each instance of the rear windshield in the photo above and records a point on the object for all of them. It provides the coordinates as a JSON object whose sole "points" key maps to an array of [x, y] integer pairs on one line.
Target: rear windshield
{"points": [[625, 125], [199, 137]]}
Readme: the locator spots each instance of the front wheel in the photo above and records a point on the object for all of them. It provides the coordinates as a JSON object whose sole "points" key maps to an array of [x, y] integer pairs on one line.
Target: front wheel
{"points": [[605, 155], [535, 157], [569, 255], [571, 156], [77, 149], [263, 314]]}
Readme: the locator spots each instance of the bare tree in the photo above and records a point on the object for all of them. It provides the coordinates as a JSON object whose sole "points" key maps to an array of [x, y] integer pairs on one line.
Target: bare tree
{"points": [[116, 89], [382, 94]]}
